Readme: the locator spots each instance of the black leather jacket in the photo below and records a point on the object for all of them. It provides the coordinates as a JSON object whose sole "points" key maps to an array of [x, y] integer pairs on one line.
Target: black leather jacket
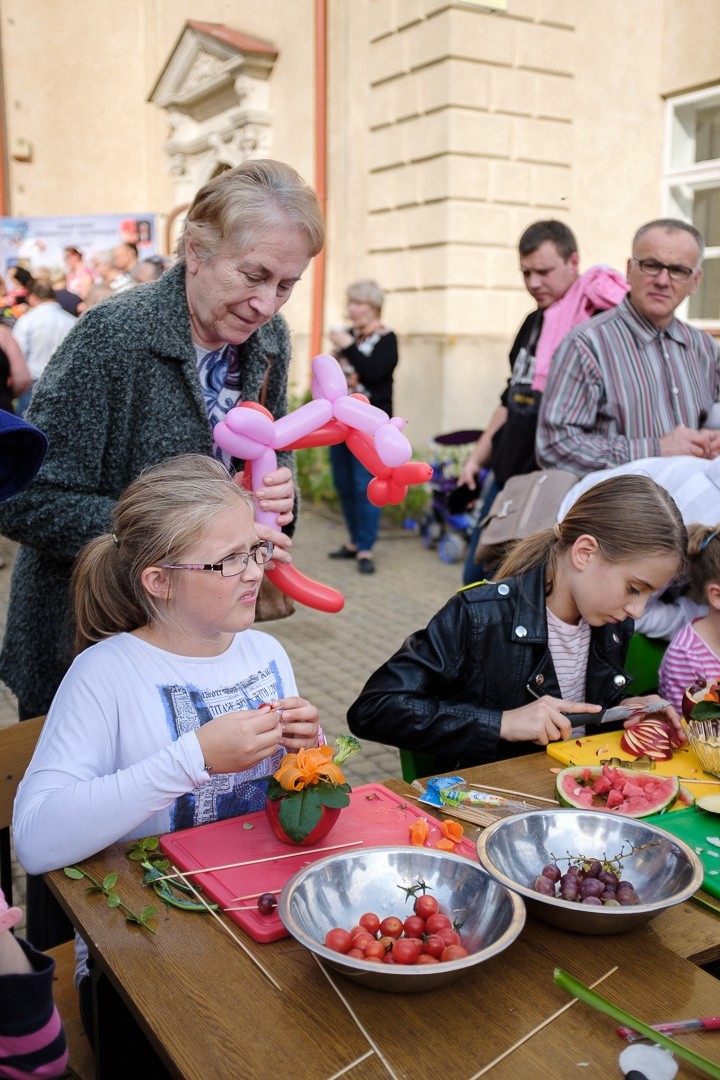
{"points": [[444, 691]]}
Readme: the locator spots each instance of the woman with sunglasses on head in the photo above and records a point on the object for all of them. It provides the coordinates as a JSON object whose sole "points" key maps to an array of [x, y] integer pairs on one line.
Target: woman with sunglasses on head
{"points": [[173, 708]]}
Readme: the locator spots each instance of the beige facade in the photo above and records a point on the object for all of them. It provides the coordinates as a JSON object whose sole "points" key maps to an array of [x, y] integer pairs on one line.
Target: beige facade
{"points": [[450, 127]]}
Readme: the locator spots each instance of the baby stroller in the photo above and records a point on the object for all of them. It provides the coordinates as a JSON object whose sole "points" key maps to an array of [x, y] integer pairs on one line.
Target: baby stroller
{"points": [[446, 523]]}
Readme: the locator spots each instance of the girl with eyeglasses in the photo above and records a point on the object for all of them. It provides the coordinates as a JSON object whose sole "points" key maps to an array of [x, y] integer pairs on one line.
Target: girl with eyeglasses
{"points": [[694, 652], [173, 707]]}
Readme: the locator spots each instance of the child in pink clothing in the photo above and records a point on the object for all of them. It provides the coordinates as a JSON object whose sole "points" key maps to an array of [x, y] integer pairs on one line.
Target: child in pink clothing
{"points": [[694, 652], [32, 1040]]}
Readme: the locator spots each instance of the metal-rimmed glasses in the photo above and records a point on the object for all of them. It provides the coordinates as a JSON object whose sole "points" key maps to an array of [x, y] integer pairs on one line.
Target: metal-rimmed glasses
{"points": [[653, 268], [231, 565]]}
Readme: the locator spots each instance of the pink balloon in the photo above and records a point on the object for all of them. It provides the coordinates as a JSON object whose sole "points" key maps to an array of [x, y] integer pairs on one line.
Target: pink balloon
{"points": [[329, 376], [237, 445], [300, 422], [392, 446], [360, 415], [261, 466], [251, 423], [398, 422]]}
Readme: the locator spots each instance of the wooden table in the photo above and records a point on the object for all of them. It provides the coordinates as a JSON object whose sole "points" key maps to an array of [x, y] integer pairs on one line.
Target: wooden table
{"points": [[688, 929], [207, 1011]]}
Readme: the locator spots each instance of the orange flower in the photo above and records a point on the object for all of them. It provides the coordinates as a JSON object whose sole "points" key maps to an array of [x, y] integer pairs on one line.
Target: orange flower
{"points": [[308, 767]]}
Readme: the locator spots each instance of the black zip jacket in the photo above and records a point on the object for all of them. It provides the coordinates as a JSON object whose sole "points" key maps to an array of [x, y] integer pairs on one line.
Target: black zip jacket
{"points": [[444, 691]]}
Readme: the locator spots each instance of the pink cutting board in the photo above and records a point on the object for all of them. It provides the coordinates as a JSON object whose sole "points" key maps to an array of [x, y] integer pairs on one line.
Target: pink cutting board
{"points": [[375, 816]]}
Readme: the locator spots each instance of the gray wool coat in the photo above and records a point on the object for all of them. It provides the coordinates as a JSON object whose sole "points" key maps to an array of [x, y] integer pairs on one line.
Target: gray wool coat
{"points": [[120, 394]]}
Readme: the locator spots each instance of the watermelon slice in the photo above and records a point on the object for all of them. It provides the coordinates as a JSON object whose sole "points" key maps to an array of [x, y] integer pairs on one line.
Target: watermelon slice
{"points": [[620, 791]]}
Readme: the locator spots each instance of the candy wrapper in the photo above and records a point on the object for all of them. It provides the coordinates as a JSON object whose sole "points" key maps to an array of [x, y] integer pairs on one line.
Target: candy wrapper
{"points": [[456, 798]]}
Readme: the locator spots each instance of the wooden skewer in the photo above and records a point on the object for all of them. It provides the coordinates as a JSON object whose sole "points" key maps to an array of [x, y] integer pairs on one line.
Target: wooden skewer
{"points": [[361, 1027], [694, 780], [509, 791], [227, 930], [250, 896], [549, 1020], [351, 1065], [252, 862]]}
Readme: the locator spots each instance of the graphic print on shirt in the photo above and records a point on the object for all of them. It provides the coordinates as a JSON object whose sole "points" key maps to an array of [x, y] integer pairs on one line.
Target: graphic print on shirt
{"points": [[187, 708]]}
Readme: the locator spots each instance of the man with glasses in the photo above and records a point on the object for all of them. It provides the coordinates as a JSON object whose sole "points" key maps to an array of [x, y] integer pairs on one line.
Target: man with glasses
{"points": [[636, 382]]}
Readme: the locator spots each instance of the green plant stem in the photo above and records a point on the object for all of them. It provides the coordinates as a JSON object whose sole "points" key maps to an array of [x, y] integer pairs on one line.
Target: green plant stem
{"points": [[596, 1001], [129, 914]]}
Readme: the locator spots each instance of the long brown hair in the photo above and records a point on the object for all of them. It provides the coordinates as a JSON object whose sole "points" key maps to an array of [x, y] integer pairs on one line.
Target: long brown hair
{"points": [[629, 516], [156, 519]]}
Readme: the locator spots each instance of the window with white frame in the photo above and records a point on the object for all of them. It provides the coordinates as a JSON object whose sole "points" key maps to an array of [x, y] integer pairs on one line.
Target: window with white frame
{"points": [[692, 185]]}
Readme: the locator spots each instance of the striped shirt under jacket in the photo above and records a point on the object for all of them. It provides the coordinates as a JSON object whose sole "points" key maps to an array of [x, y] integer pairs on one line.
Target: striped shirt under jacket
{"points": [[617, 384]]}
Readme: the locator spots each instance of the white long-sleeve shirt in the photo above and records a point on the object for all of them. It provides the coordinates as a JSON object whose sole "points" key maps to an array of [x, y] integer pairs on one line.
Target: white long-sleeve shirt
{"points": [[119, 758]]}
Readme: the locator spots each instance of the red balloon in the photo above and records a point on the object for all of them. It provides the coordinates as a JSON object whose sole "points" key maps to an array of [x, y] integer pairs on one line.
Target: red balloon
{"points": [[329, 434], [257, 406], [312, 594], [362, 446], [413, 472]]}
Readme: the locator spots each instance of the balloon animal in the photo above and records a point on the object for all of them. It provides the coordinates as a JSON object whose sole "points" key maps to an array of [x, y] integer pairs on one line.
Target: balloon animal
{"points": [[333, 416]]}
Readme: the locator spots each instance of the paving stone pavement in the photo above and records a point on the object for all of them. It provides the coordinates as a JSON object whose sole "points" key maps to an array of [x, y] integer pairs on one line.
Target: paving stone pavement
{"points": [[333, 655]]}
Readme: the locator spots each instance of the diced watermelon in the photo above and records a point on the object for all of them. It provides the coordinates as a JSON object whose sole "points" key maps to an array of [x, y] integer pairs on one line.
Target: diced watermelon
{"points": [[601, 785], [615, 798], [617, 790]]}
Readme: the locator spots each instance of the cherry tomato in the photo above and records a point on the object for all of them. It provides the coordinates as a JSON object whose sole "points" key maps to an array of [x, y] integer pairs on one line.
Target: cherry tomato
{"points": [[374, 951], [437, 922], [357, 930], [453, 952], [388, 958], [338, 940], [414, 926], [373, 960], [358, 954], [391, 927], [425, 905], [404, 952], [426, 958], [361, 941], [386, 942], [434, 946], [370, 921], [450, 937]]}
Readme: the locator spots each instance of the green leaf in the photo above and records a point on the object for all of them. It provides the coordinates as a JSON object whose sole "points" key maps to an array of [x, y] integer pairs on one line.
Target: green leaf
{"points": [[137, 856], [300, 813], [705, 710], [148, 912], [335, 796], [274, 790], [113, 899], [92, 889], [73, 872], [109, 881], [150, 843]]}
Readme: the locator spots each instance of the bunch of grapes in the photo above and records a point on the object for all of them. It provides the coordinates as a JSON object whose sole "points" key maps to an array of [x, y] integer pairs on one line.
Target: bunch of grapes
{"points": [[589, 881]]}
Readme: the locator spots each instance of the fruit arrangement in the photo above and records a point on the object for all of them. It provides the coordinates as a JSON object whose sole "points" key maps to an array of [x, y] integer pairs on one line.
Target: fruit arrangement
{"points": [[704, 697], [621, 791], [428, 936], [594, 882]]}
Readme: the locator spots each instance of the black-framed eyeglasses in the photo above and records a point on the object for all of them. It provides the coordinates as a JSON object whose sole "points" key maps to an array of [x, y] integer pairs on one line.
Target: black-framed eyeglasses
{"points": [[231, 565], [653, 268]]}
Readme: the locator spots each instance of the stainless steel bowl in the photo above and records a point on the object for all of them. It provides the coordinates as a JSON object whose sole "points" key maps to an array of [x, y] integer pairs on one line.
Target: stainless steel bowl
{"points": [[337, 890], [665, 872]]}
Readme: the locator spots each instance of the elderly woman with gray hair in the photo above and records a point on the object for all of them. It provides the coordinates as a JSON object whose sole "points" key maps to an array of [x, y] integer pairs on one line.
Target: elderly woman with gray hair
{"points": [[145, 376], [368, 354]]}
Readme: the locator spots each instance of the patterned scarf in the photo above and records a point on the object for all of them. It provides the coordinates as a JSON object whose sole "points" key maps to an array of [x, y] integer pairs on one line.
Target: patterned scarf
{"points": [[219, 373]]}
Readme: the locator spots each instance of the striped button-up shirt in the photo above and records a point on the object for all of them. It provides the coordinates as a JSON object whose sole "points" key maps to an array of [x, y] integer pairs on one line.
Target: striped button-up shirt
{"points": [[617, 384]]}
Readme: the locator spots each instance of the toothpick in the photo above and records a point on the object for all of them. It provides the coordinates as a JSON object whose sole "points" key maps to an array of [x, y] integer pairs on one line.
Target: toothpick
{"points": [[361, 1027], [351, 1065], [573, 1001], [227, 930], [694, 780], [253, 862], [509, 791]]}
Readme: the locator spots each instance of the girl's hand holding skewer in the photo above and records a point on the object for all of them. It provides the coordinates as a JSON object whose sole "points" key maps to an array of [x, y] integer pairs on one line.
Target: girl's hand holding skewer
{"points": [[238, 740], [299, 721]]}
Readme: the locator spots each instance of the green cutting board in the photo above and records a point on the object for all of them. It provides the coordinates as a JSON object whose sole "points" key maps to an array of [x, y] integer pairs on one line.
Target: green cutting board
{"points": [[694, 826]]}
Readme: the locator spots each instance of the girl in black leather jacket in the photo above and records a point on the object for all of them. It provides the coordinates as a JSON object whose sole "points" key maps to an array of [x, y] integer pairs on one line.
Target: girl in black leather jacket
{"points": [[504, 665]]}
